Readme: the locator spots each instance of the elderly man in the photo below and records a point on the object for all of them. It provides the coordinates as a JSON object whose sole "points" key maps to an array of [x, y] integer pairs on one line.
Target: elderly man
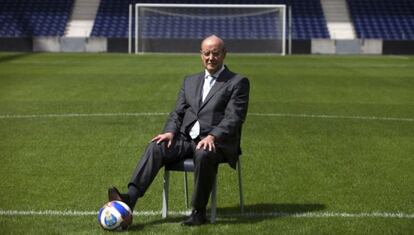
{"points": [[205, 125]]}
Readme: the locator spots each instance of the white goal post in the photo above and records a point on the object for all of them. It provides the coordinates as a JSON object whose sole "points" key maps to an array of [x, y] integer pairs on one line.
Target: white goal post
{"points": [[179, 28]]}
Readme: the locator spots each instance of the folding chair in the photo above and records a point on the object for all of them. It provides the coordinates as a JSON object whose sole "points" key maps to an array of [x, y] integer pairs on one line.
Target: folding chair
{"points": [[185, 166]]}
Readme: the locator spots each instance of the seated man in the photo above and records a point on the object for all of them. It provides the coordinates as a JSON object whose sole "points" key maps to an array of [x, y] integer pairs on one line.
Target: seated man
{"points": [[205, 125]]}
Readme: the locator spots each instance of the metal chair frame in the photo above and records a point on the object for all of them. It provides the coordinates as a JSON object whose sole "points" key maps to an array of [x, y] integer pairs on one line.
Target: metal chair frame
{"points": [[186, 166]]}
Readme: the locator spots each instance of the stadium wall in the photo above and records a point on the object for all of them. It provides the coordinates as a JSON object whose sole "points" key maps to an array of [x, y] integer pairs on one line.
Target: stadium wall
{"points": [[301, 46], [344, 47], [66, 44], [398, 47], [120, 45], [16, 44], [117, 45]]}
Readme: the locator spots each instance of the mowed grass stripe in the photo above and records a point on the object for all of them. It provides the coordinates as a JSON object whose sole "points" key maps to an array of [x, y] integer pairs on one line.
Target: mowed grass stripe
{"points": [[327, 116], [400, 215]]}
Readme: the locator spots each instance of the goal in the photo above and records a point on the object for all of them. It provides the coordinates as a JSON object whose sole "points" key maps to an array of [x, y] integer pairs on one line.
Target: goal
{"points": [[179, 28]]}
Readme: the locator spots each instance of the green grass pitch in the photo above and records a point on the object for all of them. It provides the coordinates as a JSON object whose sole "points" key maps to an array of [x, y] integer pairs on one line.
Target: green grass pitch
{"points": [[328, 144]]}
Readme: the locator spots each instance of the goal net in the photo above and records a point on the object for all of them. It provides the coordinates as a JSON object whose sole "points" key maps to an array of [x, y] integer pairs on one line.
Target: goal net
{"points": [[179, 28]]}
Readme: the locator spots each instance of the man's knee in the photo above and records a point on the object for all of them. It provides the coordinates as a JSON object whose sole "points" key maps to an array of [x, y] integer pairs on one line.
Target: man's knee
{"points": [[205, 157], [161, 151], [155, 150], [154, 146]]}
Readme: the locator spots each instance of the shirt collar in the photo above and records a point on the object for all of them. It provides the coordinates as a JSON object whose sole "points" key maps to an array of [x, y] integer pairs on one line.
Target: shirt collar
{"points": [[216, 74]]}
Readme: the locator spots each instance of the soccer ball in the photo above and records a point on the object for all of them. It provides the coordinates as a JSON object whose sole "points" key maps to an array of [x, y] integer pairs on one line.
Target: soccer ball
{"points": [[115, 215]]}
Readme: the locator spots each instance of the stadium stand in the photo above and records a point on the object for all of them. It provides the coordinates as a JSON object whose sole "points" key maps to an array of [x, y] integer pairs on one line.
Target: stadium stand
{"points": [[112, 20], [381, 26], [308, 20], [23, 18], [383, 19]]}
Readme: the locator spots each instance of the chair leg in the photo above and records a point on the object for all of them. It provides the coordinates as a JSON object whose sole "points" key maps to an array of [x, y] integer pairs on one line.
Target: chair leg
{"points": [[165, 194], [213, 202], [186, 189], [240, 186], [213, 193]]}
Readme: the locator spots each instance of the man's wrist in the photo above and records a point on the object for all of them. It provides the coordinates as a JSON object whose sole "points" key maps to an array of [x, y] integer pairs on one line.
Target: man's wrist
{"points": [[212, 137]]}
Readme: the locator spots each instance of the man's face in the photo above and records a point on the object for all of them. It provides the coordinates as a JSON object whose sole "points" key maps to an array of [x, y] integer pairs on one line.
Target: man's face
{"points": [[212, 55]]}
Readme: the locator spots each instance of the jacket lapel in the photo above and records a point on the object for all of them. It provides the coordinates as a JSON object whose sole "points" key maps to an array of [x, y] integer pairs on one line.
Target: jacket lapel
{"points": [[198, 88]]}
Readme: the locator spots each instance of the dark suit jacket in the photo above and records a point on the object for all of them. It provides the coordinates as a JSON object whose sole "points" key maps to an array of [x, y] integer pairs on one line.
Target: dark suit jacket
{"points": [[221, 114]]}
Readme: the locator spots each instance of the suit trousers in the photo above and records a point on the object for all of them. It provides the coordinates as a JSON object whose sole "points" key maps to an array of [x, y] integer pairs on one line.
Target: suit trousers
{"points": [[158, 155]]}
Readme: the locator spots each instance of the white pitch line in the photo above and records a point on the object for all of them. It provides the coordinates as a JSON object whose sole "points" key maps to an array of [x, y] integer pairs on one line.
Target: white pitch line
{"points": [[64, 115], [396, 215], [325, 116], [321, 116]]}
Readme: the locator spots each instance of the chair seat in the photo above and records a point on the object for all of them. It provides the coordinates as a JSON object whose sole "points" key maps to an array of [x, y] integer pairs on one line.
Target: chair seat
{"points": [[186, 165]]}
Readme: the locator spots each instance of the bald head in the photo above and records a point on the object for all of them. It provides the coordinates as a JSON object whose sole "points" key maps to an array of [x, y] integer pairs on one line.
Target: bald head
{"points": [[213, 53], [213, 40]]}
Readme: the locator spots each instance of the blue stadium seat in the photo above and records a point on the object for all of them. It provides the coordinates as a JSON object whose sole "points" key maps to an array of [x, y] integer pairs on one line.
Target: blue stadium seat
{"points": [[25, 18], [384, 19]]}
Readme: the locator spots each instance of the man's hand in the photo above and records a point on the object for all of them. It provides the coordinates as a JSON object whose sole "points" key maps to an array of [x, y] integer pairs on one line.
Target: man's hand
{"points": [[207, 143], [164, 137]]}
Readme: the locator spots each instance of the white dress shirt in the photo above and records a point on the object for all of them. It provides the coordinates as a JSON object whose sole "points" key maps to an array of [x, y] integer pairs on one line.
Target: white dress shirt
{"points": [[209, 81]]}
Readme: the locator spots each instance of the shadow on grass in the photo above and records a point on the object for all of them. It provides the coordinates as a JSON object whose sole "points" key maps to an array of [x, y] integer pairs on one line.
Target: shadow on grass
{"points": [[140, 226], [266, 208], [14, 56], [263, 211], [252, 214]]}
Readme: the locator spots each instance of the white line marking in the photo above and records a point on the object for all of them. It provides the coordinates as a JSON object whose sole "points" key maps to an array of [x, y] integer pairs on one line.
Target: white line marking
{"points": [[397, 215], [64, 115], [322, 116]]}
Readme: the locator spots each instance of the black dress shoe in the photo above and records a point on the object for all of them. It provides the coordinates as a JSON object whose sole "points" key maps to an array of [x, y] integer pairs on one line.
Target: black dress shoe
{"points": [[115, 195], [197, 217]]}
